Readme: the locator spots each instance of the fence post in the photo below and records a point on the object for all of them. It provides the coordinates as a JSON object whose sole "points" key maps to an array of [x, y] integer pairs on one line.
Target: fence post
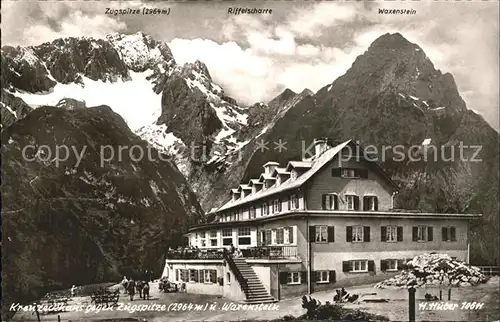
{"points": [[411, 308]]}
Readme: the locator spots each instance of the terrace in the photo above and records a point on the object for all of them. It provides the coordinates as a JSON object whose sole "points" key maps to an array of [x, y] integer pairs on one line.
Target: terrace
{"points": [[258, 252]]}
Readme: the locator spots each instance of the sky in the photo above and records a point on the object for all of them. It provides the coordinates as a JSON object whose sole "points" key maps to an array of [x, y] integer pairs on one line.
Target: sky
{"points": [[302, 44]]}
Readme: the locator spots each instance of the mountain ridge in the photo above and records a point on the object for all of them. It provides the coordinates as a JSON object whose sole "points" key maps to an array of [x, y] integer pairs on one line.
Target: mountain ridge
{"points": [[392, 94]]}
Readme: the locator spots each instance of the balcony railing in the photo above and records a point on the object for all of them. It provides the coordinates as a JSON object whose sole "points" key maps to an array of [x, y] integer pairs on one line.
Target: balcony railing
{"points": [[270, 252], [213, 253]]}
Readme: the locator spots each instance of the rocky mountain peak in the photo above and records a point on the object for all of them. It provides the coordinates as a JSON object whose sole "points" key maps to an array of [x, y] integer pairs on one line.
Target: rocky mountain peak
{"points": [[307, 92], [392, 41], [140, 51]]}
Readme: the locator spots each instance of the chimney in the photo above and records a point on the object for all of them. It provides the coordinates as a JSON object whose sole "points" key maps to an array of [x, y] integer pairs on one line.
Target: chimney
{"points": [[270, 166], [320, 146]]}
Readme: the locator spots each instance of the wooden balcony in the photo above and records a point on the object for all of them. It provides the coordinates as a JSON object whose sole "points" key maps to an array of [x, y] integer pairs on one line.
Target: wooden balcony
{"points": [[257, 252], [212, 253], [270, 252]]}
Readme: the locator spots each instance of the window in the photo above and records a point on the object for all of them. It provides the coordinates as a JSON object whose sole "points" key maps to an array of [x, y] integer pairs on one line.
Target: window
{"points": [[276, 206], [357, 234], [213, 238], [268, 237], [422, 233], [330, 202], [322, 277], [288, 236], [391, 264], [203, 243], [193, 276], [252, 212], [349, 173], [293, 278], [244, 236], [293, 202], [209, 276], [227, 237], [280, 236], [177, 275], [321, 234], [352, 202], [370, 203], [244, 232], [359, 266], [185, 275], [449, 234], [391, 233], [265, 209], [228, 277]]}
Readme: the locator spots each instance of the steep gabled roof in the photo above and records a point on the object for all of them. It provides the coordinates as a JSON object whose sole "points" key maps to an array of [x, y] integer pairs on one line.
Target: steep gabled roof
{"points": [[317, 164]]}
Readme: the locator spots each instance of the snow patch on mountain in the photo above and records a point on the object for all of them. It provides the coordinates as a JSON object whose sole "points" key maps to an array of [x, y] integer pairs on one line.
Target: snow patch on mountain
{"points": [[133, 99], [135, 52]]}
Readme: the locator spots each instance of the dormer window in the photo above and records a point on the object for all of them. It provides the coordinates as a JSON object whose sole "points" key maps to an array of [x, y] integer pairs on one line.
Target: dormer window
{"points": [[352, 202], [370, 203]]}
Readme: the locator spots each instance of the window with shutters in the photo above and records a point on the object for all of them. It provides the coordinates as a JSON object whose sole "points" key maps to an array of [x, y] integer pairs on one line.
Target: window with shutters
{"points": [[288, 235], [391, 234], [277, 206], [359, 266], [280, 236], [391, 264], [422, 233], [449, 234], [322, 277], [349, 173], [321, 234], [330, 202], [370, 203], [357, 234], [293, 278], [265, 209], [352, 202]]}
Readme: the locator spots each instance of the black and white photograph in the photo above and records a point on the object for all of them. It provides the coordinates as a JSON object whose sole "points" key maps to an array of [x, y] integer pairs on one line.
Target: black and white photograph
{"points": [[250, 160]]}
